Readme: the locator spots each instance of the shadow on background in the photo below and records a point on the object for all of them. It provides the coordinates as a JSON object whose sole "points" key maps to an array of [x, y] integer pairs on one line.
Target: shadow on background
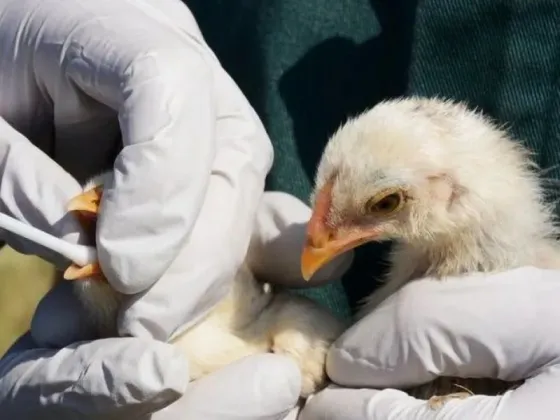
{"points": [[230, 30], [339, 79], [24, 280]]}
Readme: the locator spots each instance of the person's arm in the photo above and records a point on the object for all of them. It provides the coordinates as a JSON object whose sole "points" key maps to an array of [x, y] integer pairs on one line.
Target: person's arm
{"points": [[501, 326]]}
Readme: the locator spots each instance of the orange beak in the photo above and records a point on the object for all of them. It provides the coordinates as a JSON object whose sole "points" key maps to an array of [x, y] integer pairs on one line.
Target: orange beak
{"points": [[75, 272], [325, 243], [86, 206], [87, 203]]}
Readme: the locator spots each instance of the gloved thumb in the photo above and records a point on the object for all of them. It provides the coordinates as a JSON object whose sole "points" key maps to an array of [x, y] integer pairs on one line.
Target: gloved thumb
{"points": [[278, 237]]}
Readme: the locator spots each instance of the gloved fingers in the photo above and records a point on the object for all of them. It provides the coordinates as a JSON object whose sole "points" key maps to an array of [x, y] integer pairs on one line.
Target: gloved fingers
{"points": [[537, 398], [499, 326], [39, 99], [159, 80], [35, 190], [370, 404], [261, 387], [169, 146], [201, 274], [277, 241], [112, 378]]}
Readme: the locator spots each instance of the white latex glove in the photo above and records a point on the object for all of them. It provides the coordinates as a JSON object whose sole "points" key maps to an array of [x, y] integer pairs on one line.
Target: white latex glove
{"points": [[503, 326]]}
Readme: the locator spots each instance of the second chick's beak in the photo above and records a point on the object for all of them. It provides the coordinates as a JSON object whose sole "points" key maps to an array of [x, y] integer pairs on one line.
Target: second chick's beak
{"points": [[86, 205], [324, 242]]}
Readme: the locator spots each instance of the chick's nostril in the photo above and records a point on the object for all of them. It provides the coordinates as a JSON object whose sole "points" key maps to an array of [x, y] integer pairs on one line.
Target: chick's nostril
{"points": [[319, 238]]}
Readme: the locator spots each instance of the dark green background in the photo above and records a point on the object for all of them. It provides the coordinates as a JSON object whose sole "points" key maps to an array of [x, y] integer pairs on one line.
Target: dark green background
{"points": [[306, 65]]}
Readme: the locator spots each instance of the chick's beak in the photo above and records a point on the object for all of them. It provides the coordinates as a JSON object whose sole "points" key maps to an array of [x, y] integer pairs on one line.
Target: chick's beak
{"points": [[323, 242], [318, 251], [86, 205], [75, 272]]}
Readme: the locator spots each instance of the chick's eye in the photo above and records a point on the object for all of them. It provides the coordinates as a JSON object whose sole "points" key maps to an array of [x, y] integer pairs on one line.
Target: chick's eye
{"points": [[388, 204]]}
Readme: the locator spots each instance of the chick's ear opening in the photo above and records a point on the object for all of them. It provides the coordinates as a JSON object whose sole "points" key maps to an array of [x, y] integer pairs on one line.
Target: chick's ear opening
{"points": [[443, 189]]}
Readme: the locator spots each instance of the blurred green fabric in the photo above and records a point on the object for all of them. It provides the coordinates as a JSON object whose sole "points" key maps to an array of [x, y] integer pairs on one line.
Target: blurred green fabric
{"points": [[308, 65]]}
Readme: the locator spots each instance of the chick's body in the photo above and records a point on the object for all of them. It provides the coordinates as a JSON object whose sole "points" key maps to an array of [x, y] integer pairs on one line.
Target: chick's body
{"points": [[253, 318], [455, 193]]}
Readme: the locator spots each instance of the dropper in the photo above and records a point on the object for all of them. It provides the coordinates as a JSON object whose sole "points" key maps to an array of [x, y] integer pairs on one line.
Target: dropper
{"points": [[80, 255]]}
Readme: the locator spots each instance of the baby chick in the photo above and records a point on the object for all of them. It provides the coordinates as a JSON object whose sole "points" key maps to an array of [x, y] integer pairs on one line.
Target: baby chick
{"points": [[453, 191], [253, 318]]}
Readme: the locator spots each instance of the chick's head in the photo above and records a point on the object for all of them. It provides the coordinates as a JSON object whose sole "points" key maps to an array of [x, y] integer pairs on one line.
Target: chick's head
{"points": [[413, 170]]}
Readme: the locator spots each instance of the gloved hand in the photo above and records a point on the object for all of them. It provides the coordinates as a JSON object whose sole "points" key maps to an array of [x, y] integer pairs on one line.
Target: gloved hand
{"points": [[501, 325], [174, 226], [191, 172]]}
